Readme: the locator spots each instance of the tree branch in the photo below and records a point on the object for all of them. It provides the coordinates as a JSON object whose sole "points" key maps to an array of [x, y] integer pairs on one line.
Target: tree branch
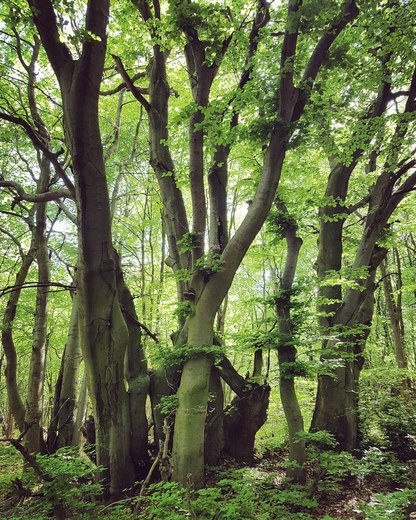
{"points": [[133, 320], [40, 145], [286, 87], [36, 197], [45, 20], [129, 83], [33, 285], [123, 85], [349, 12]]}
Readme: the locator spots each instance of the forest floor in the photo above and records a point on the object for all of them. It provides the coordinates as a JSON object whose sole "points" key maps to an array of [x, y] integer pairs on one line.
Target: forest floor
{"points": [[386, 491], [375, 486]]}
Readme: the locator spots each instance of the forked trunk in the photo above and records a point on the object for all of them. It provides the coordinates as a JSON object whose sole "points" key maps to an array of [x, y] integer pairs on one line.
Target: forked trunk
{"points": [[336, 408]]}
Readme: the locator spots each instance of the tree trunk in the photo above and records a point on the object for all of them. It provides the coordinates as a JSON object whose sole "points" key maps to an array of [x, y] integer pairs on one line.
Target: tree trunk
{"points": [[258, 363], [103, 332], [393, 311], [396, 323], [68, 394], [188, 441], [336, 407], [246, 413], [16, 405], [244, 417], [164, 382], [137, 378], [36, 382], [214, 429], [81, 412], [287, 351]]}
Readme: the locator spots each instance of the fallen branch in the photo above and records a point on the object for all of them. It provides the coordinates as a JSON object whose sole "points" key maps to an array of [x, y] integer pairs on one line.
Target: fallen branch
{"points": [[162, 459]]}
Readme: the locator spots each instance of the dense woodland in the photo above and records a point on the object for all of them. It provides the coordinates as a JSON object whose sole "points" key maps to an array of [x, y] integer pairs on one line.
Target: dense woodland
{"points": [[207, 275]]}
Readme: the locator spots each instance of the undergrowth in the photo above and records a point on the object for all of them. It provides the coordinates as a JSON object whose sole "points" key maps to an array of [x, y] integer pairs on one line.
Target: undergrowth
{"points": [[377, 480]]}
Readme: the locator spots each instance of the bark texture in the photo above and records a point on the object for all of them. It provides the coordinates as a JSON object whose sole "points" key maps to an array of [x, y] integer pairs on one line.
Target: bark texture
{"points": [[103, 332]]}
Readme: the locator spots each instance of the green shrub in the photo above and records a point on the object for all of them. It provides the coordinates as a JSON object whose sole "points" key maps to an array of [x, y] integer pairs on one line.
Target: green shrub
{"points": [[10, 464], [392, 506], [239, 494], [71, 491], [376, 462]]}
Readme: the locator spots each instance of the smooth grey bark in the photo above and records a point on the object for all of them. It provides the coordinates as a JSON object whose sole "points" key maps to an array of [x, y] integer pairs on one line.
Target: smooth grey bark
{"points": [[70, 380], [62, 429], [137, 377], [102, 328], [336, 402], [214, 428], [81, 411], [287, 350], [258, 363]]}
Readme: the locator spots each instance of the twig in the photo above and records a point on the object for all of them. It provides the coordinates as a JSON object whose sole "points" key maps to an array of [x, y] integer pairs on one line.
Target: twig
{"points": [[141, 325], [29, 457], [32, 285], [161, 457], [188, 497]]}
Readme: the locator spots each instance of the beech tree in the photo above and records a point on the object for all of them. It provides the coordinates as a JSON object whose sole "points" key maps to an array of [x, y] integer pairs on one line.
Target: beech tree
{"points": [[212, 272], [345, 310], [218, 103], [103, 330]]}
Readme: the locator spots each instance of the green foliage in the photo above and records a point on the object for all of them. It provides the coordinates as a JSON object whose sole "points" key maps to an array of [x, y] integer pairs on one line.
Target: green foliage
{"points": [[346, 278], [209, 264], [391, 506], [384, 464], [321, 438], [167, 502], [178, 355], [188, 242], [168, 404], [338, 470], [277, 221], [388, 418], [72, 489], [10, 464], [183, 310], [239, 493], [293, 369], [183, 275], [398, 425]]}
